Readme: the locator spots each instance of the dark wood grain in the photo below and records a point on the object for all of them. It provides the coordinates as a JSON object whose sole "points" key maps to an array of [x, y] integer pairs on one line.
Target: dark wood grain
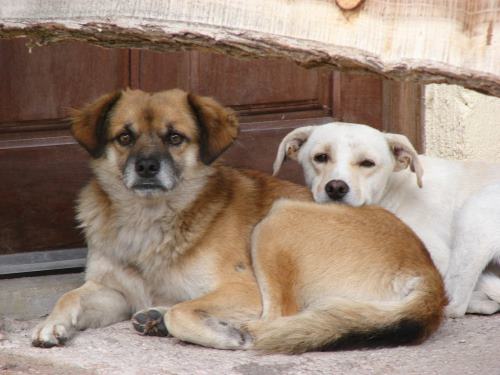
{"points": [[46, 82], [258, 142], [391, 106], [38, 191], [163, 71], [358, 99], [403, 112], [253, 82], [42, 169], [271, 89]]}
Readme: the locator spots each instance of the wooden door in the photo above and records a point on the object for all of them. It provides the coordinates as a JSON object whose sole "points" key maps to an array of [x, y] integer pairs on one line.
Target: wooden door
{"points": [[271, 97], [42, 168]]}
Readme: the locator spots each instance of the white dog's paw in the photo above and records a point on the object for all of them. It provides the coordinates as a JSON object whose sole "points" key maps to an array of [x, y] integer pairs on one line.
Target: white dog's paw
{"points": [[455, 311], [48, 334], [481, 304]]}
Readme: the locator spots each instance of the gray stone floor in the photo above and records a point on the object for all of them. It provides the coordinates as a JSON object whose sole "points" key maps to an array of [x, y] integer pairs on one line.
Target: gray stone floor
{"points": [[464, 346]]}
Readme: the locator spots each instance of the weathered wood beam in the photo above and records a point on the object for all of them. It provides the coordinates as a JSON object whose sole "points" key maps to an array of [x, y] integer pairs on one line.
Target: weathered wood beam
{"points": [[454, 41]]}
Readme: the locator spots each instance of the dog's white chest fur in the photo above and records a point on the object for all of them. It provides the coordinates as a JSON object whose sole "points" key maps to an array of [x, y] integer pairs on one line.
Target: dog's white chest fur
{"points": [[149, 241]]}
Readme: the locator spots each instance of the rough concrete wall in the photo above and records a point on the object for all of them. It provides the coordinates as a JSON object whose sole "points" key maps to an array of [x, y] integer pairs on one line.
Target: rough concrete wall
{"points": [[461, 124]]}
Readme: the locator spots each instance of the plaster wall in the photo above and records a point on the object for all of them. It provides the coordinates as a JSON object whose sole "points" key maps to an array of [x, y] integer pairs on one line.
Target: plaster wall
{"points": [[461, 124]]}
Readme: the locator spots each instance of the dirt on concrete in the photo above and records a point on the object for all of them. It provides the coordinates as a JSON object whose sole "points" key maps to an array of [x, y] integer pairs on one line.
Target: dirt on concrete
{"points": [[462, 347]]}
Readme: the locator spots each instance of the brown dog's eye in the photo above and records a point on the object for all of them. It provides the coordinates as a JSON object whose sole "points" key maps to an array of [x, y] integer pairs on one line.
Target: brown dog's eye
{"points": [[321, 158], [367, 163], [174, 139], [125, 138]]}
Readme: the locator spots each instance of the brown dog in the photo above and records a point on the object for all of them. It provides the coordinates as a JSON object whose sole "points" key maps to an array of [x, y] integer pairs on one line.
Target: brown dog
{"points": [[334, 276], [167, 227]]}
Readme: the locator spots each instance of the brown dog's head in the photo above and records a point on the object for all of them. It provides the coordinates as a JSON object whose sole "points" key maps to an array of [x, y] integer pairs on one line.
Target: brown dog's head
{"points": [[150, 142]]}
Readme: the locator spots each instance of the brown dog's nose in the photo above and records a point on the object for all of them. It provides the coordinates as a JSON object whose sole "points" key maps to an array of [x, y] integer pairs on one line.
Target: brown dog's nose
{"points": [[336, 189], [147, 167]]}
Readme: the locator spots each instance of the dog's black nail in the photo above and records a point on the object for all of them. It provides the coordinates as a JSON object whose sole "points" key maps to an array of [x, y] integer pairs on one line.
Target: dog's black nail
{"points": [[154, 314], [141, 318], [138, 327], [150, 323], [44, 344], [161, 329]]}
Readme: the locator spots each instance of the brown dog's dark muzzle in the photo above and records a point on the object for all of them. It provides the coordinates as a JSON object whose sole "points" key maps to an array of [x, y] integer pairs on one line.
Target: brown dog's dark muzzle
{"points": [[147, 167], [151, 171]]}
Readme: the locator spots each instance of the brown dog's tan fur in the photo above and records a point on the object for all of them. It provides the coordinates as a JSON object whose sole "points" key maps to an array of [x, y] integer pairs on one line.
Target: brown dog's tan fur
{"points": [[333, 281], [185, 247]]}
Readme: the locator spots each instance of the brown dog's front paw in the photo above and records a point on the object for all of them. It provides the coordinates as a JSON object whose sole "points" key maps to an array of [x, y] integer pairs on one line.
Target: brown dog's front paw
{"points": [[48, 335], [150, 322]]}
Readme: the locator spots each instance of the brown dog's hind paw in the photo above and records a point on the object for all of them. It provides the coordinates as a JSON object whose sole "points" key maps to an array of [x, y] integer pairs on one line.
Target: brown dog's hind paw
{"points": [[150, 322]]}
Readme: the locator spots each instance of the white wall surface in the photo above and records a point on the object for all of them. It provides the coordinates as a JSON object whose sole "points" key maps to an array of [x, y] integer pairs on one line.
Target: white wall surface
{"points": [[461, 124]]}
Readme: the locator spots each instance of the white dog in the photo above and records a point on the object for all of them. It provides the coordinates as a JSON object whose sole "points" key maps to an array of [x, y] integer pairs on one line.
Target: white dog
{"points": [[454, 210]]}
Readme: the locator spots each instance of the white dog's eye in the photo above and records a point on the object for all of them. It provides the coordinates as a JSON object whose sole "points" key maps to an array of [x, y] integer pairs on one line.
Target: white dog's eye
{"points": [[367, 163], [321, 158]]}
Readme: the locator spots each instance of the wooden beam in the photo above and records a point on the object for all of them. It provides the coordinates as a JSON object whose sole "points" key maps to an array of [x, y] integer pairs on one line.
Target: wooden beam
{"points": [[455, 41]]}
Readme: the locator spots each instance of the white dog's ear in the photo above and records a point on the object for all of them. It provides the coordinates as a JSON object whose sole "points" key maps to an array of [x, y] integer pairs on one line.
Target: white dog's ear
{"points": [[290, 145], [405, 155]]}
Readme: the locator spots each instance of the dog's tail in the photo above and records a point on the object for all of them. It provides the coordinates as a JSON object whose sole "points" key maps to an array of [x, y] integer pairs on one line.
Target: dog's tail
{"points": [[348, 323], [489, 283]]}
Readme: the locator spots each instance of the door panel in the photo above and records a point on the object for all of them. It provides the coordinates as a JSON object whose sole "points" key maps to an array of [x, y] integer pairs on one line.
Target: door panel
{"points": [[38, 191], [257, 89], [258, 142], [161, 71], [42, 168], [255, 82], [358, 99], [44, 83]]}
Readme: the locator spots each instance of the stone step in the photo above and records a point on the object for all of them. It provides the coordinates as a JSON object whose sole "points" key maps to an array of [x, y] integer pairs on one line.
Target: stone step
{"points": [[33, 297]]}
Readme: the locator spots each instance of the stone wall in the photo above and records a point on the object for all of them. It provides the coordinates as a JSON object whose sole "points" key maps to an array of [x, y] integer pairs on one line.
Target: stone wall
{"points": [[461, 124]]}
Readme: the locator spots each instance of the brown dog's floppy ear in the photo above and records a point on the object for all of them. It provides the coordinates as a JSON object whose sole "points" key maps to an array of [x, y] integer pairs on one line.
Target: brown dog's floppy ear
{"points": [[217, 126], [89, 125], [405, 155], [290, 145]]}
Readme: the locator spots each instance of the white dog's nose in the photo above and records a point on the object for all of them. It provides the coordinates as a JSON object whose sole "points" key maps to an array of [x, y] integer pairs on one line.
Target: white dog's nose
{"points": [[336, 189]]}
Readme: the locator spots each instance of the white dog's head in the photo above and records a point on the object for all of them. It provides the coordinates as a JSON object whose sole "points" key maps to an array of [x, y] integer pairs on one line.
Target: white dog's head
{"points": [[348, 163]]}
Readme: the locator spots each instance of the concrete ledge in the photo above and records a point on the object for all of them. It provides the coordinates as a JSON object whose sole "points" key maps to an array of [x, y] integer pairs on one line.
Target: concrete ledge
{"points": [[22, 365], [467, 346], [32, 297], [463, 346]]}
